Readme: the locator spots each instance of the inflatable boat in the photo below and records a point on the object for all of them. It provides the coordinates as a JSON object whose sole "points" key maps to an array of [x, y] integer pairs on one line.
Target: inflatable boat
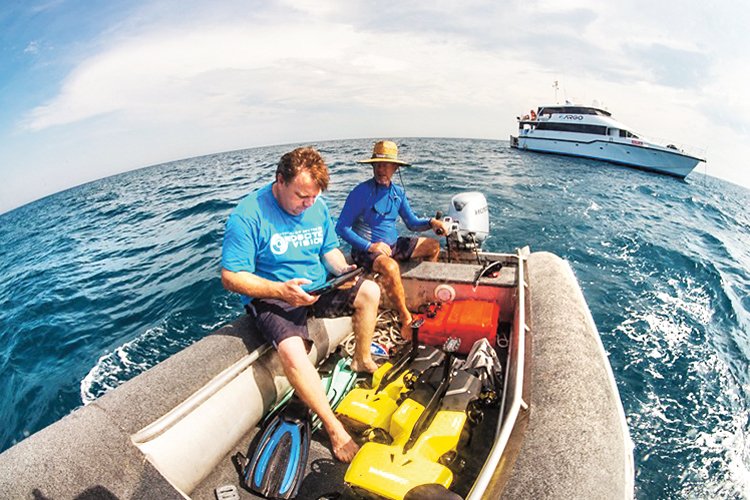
{"points": [[545, 421]]}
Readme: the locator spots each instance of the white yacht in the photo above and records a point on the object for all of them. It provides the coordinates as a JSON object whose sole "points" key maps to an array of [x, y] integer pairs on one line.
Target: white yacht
{"points": [[591, 132]]}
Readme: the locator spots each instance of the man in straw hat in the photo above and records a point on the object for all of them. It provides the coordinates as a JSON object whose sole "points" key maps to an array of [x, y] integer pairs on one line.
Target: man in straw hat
{"points": [[368, 224]]}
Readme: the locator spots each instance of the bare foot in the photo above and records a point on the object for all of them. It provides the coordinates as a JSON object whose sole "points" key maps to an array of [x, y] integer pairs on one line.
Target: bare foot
{"points": [[406, 326], [344, 447], [367, 366], [406, 331]]}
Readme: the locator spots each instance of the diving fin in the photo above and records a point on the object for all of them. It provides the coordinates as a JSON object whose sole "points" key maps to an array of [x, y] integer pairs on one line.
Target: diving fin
{"points": [[337, 384], [277, 466], [278, 463], [342, 380], [337, 380]]}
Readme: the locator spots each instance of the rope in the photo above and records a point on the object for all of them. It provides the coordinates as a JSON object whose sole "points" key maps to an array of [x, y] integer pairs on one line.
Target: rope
{"points": [[387, 333]]}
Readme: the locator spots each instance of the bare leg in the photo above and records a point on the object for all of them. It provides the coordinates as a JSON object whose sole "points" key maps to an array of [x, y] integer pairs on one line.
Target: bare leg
{"points": [[305, 380], [365, 316], [390, 274], [427, 249]]}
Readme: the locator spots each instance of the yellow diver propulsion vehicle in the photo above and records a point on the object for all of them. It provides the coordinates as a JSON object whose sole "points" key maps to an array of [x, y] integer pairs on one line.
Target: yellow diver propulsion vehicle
{"points": [[426, 430], [370, 408]]}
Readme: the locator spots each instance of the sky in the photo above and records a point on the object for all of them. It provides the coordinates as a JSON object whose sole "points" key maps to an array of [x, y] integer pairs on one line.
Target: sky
{"points": [[89, 89]]}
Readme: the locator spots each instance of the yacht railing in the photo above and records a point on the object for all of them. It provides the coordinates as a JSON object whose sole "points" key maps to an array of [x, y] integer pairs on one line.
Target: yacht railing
{"points": [[682, 148]]}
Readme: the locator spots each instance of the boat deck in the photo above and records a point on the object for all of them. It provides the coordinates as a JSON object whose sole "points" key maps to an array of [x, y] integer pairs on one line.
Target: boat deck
{"points": [[324, 474]]}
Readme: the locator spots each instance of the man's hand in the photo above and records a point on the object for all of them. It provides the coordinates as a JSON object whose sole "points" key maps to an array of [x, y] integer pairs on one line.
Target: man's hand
{"points": [[293, 294], [380, 248], [345, 269], [440, 227]]}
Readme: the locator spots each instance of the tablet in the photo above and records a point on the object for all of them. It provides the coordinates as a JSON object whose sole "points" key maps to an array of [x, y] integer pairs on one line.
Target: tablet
{"points": [[336, 281]]}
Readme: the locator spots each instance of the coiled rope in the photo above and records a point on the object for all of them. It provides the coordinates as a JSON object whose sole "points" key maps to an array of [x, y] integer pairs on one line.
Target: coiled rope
{"points": [[387, 333]]}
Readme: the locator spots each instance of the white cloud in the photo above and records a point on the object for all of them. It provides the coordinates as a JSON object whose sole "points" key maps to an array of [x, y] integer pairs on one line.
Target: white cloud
{"points": [[221, 72], [32, 48], [172, 71], [301, 70]]}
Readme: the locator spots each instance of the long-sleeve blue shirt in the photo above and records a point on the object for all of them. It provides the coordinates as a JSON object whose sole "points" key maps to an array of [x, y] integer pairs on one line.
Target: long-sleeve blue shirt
{"points": [[370, 214]]}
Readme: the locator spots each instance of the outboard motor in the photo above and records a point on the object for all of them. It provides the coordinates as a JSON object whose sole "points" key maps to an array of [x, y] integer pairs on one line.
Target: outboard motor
{"points": [[470, 221]]}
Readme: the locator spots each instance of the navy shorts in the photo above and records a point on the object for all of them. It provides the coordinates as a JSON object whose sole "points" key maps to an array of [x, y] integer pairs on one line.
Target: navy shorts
{"points": [[278, 320], [400, 251]]}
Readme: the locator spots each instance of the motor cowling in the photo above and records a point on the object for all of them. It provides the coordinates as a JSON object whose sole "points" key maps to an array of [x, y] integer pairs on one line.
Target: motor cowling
{"points": [[470, 219]]}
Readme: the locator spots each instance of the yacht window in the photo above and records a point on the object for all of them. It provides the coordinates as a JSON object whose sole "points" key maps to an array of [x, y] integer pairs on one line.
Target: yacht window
{"points": [[573, 110], [627, 133], [573, 127]]}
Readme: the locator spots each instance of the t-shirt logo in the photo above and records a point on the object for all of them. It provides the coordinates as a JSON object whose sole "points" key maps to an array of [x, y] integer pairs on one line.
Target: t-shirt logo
{"points": [[304, 238], [278, 244]]}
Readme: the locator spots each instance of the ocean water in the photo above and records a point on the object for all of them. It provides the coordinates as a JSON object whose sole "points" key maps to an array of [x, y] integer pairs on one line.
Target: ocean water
{"points": [[105, 280]]}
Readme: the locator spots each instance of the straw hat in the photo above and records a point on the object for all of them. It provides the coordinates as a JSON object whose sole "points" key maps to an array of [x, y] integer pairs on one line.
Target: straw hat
{"points": [[385, 151]]}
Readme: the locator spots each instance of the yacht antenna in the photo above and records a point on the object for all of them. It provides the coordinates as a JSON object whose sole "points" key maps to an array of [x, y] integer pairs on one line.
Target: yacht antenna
{"points": [[556, 85]]}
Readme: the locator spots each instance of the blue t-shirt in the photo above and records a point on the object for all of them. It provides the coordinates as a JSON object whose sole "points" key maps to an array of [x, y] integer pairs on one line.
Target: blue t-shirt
{"points": [[261, 238], [370, 214]]}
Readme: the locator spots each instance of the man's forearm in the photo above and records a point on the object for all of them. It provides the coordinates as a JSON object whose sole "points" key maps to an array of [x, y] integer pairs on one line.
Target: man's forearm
{"points": [[347, 234], [335, 261], [249, 284], [419, 225]]}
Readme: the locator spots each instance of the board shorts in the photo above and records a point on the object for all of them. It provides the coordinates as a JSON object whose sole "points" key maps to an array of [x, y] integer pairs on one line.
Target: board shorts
{"points": [[277, 320], [400, 251]]}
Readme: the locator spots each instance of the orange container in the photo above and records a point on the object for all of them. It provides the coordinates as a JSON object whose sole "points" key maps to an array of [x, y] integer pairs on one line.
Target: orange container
{"points": [[468, 320]]}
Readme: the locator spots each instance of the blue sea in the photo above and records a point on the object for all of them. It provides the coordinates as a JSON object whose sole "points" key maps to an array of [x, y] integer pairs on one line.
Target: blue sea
{"points": [[102, 281]]}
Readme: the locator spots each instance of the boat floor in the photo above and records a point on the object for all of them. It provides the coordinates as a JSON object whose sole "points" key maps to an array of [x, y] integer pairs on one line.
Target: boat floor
{"points": [[323, 474]]}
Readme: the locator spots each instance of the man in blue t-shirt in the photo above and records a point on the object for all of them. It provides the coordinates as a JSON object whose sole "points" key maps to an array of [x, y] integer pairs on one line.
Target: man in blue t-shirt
{"points": [[368, 224], [279, 242]]}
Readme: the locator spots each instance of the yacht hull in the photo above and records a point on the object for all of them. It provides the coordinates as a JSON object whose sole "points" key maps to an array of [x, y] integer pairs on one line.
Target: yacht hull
{"points": [[662, 161]]}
